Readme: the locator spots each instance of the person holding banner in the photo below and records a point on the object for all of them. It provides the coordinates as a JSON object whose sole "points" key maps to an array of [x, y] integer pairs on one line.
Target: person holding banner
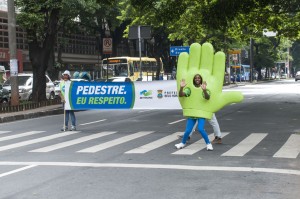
{"points": [[191, 121], [66, 77]]}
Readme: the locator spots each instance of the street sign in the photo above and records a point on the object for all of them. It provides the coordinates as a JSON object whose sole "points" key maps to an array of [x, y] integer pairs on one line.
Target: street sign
{"points": [[268, 33], [145, 32], [107, 45], [176, 50]]}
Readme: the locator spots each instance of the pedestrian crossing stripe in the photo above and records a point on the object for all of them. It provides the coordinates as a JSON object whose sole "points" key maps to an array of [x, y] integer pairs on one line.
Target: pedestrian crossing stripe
{"points": [[37, 140], [156, 144], [73, 142], [290, 149], [10, 137], [115, 142], [246, 145]]}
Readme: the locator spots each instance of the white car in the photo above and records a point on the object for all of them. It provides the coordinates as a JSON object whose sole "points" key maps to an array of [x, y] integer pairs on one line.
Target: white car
{"points": [[25, 81], [119, 79]]}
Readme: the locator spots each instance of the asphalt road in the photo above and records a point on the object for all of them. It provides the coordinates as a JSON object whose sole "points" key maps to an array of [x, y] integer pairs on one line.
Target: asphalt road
{"points": [[131, 153]]}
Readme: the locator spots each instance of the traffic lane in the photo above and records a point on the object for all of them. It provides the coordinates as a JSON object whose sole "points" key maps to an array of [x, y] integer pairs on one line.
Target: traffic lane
{"points": [[101, 182], [87, 120]]}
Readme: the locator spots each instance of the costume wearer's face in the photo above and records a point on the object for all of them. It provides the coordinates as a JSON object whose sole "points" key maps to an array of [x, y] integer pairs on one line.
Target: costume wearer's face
{"points": [[197, 80]]}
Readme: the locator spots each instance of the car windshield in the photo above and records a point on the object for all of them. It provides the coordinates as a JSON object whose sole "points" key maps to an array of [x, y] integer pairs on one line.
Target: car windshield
{"points": [[21, 81]]}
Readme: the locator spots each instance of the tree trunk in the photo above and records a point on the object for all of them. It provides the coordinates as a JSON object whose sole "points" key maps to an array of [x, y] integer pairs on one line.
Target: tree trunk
{"points": [[39, 63], [39, 54]]}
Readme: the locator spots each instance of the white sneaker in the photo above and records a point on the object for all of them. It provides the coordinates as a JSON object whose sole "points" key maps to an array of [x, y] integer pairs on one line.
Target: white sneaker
{"points": [[209, 147], [180, 145]]}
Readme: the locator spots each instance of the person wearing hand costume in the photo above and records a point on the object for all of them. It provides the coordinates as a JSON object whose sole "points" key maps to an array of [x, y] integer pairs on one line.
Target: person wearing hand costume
{"points": [[200, 99], [186, 92]]}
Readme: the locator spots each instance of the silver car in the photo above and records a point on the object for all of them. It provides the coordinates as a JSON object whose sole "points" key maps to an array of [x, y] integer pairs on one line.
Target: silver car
{"points": [[25, 82], [297, 76]]}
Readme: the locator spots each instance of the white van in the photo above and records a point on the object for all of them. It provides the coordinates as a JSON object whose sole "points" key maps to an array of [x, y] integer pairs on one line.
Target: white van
{"points": [[25, 82]]}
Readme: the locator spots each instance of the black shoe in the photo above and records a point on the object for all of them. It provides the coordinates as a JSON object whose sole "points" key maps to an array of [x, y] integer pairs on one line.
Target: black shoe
{"points": [[217, 140], [64, 129]]}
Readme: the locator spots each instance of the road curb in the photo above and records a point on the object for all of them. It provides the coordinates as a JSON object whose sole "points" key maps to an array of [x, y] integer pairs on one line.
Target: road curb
{"points": [[31, 115]]}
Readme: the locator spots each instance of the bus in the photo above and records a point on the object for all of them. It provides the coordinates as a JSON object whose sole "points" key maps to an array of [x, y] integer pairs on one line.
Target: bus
{"points": [[240, 73], [130, 67]]}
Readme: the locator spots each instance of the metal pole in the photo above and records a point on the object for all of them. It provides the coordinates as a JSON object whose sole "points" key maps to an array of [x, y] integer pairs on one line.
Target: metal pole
{"points": [[107, 68], [140, 50], [251, 59], [13, 52]]}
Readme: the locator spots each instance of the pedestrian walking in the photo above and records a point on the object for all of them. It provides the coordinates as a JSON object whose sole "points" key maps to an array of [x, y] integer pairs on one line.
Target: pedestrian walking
{"points": [[186, 92], [66, 78], [216, 130]]}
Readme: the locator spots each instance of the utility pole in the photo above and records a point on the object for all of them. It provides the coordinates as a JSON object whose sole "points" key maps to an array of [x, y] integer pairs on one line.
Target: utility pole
{"points": [[13, 52], [251, 59]]}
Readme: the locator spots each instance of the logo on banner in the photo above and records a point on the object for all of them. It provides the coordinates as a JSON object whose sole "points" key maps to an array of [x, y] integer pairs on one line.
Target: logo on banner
{"points": [[146, 94], [159, 94]]}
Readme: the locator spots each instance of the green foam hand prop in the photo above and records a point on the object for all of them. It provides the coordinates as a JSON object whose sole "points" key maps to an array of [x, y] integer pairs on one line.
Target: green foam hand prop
{"points": [[211, 67]]}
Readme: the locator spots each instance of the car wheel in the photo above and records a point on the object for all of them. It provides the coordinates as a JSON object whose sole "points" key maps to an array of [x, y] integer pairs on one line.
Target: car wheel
{"points": [[52, 96], [30, 97], [4, 101]]}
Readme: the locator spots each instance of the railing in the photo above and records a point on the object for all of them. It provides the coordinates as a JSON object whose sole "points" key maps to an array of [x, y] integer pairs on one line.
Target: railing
{"points": [[6, 108]]}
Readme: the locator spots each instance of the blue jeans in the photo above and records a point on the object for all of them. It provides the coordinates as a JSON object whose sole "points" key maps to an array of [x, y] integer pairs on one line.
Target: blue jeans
{"points": [[73, 118], [189, 128]]}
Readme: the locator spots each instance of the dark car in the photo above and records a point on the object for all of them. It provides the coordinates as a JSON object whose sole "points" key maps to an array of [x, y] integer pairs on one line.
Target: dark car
{"points": [[238, 78], [297, 76], [4, 95]]}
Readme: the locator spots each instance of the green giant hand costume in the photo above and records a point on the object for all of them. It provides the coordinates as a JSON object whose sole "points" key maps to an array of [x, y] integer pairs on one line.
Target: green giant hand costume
{"points": [[211, 67]]}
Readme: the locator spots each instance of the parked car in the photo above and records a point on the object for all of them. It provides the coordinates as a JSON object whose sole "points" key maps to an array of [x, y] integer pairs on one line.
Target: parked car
{"points": [[119, 79], [4, 95], [238, 78], [297, 76], [25, 81], [113, 79], [283, 76], [56, 88]]}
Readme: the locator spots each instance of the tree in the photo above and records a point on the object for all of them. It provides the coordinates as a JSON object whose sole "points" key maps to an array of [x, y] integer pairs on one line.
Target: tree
{"points": [[42, 19]]}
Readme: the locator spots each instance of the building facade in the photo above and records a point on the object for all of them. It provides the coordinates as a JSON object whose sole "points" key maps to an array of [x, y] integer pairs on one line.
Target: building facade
{"points": [[78, 53]]}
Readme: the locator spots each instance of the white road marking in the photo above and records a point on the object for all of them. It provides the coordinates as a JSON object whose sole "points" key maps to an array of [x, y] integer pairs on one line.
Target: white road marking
{"points": [[290, 149], [197, 146], [73, 142], [177, 121], [42, 139], [145, 111], [156, 144], [157, 166], [3, 132], [92, 122], [20, 135], [115, 142], [246, 145], [17, 170]]}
